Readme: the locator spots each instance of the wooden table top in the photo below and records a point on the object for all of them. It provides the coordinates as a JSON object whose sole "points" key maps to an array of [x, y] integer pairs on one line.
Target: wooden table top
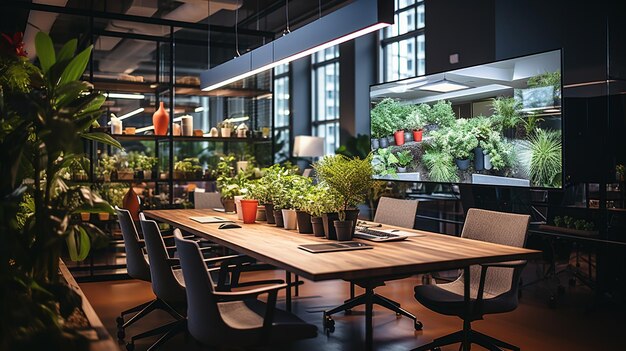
{"points": [[279, 247]]}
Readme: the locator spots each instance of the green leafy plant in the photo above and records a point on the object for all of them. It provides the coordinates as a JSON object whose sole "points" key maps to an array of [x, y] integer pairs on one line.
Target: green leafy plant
{"points": [[440, 166], [457, 140], [388, 116], [384, 162], [547, 79], [541, 155], [321, 199], [350, 178], [440, 114], [45, 112], [532, 122], [415, 119], [499, 151], [229, 182], [572, 223], [358, 146], [404, 158], [271, 183], [506, 111]]}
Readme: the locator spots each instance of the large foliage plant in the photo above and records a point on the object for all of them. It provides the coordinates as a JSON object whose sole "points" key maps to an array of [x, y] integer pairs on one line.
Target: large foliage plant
{"points": [[46, 112]]}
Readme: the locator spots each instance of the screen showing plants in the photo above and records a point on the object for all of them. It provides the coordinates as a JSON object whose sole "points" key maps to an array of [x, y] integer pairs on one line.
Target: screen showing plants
{"points": [[497, 123]]}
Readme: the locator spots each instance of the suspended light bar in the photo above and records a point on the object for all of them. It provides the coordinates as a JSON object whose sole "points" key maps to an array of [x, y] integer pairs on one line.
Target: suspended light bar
{"points": [[130, 114], [124, 96], [352, 21]]}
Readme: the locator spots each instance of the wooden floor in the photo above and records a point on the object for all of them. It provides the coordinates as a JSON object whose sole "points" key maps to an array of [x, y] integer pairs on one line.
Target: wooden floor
{"points": [[576, 324]]}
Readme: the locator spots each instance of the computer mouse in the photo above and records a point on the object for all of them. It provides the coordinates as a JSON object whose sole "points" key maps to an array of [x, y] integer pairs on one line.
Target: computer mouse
{"points": [[229, 226]]}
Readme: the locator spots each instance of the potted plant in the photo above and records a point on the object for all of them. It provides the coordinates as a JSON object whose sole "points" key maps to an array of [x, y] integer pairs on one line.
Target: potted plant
{"points": [[415, 123], [384, 163], [321, 200], [385, 119], [440, 115], [404, 159], [541, 156], [226, 128], [351, 180], [440, 165], [228, 184], [300, 192], [269, 184], [458, 141], [506, 114], [107, 163]]}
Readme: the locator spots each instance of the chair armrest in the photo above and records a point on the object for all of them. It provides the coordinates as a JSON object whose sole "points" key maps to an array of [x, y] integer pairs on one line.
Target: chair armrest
{"points": [[261, 282], [240, 295], [229, 258], [483, 273]]}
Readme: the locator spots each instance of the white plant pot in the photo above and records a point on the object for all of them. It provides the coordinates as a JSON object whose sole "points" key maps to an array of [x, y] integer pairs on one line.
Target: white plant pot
{"points": [[242, 166], [226, 132], [290, 219], [401, 169], [488, 165], [238, 206]]}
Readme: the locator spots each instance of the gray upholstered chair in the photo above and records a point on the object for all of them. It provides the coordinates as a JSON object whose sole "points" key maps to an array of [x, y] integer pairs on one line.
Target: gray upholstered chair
{"points": [[493, 287], [390, 211], [207, 200], [234, 319]]}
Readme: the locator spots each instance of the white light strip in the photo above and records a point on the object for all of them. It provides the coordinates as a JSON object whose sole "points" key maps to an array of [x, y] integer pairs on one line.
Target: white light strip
{"points": [[132, 113], [144, 129], [124, 96], [199, 109], [302, 54]]}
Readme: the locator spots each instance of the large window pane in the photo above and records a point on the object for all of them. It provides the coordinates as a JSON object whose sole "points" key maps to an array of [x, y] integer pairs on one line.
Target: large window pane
{"points": [[325, 116], [403, 48], [282, 113]]}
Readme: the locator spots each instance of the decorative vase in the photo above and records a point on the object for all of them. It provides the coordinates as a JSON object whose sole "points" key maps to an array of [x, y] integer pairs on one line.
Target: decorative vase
{"points": [[479, 157], [398, 137], [229, 205], [161, 120], [384, 142], [249, 210], [290, 219], [260, 213], [269, 213], [278, 218], [329, 227], [375, 143], [131, 203], [343, 230], [463, 164], [487, 160], [304, 222], [318, 226], [238, 199], [417, 135]]}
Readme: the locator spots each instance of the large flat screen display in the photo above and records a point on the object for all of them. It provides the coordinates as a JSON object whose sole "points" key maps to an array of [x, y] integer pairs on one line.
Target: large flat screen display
{"points": [[497, 123]]}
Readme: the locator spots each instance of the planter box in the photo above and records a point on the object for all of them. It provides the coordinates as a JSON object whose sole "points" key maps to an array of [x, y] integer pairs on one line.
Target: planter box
{"points": [[576, 232]]}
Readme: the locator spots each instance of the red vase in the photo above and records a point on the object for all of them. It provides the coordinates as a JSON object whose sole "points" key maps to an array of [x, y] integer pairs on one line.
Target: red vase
{"points": [[417, 135], [161, 120], [248, 209], [131, 203], [399, 137]]}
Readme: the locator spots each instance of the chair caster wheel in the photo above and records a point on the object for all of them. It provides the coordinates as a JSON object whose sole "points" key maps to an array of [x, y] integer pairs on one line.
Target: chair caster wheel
{"points": [[121, 334], [572, 282], [436, 349], [328, 324], [552, 301], [418, 325], [398, 315], [130, 346], [119, 321], [348, 312]]}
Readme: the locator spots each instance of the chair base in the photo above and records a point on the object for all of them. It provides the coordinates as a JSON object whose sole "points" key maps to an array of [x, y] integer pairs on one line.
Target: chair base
{"points": [[168, 331], [473, 337]]}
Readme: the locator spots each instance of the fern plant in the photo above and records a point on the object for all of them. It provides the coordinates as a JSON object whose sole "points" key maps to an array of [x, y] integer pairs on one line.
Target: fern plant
{"points": [[440, 166], [541, 154], [506, 111]]}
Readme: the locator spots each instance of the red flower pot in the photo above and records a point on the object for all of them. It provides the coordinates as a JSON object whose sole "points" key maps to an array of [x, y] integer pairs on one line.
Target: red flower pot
{"points": [[417, 135], [399, 137], [249, 207]]}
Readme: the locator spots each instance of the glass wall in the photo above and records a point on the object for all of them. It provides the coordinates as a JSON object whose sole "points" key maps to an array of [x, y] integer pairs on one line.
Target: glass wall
{"points": [[325, 79], [282, 113]]}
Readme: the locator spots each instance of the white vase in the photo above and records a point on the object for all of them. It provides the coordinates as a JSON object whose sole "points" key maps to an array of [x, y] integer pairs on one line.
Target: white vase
{"points": [[487, 165], [226, 132], [238, 206], [290, 219]]}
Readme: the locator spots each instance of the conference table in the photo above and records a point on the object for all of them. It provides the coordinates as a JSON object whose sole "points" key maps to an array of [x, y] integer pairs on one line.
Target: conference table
{"points": [[422, 253]]}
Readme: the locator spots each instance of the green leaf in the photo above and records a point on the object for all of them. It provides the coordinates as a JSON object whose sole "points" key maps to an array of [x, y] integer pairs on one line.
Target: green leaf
{"points": [[45, 51], [102, 138], [72, 244], [67, 51], [84, 244], [76, 67], [69, 92]]}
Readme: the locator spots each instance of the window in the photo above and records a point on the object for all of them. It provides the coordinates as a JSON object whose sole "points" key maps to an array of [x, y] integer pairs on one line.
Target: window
{"points": [[282, 113], [325, 116], [403, 43]]}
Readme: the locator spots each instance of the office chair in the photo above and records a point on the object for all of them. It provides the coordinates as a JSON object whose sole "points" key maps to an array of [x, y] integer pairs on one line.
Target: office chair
{"points": [[234, 319], [207, 200], [168, 283], [493, 286], [390, 211]]}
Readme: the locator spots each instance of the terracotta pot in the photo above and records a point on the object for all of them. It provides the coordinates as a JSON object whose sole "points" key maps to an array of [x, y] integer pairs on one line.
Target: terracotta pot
{"points": [[398, 137], [103, 216], [329, 228], [344, 230], [269, 214], [290, 219], [304, 222], [229, 205], [226, 132], [248, 209], [131, 203], [417, 135], [161, 120], [278, 217], [84, 216], [318, 226]]}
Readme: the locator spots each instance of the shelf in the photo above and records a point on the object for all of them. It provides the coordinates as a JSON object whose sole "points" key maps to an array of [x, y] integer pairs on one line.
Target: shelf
{"points": [[124, 137]]}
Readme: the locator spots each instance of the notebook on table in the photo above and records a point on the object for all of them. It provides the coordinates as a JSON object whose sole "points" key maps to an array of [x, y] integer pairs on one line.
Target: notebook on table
{"points": [[330, 247]]}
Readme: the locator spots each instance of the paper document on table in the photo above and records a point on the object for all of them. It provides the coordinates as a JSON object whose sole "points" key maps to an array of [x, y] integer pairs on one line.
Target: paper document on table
{"points": [[210, 219]]}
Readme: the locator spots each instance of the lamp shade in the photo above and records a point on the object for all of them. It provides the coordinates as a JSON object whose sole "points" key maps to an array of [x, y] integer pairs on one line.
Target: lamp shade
{"points": [[351, 21], [308, 146]]}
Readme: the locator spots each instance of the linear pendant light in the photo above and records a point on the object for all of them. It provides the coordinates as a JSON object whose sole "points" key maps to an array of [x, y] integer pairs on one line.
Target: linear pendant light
{"points": [[351, 21]]}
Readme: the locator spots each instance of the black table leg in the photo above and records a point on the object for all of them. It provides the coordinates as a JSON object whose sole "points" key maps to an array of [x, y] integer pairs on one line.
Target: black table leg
{"points": [[466, 299], [297, 287], [288, 291], [369, 304]]}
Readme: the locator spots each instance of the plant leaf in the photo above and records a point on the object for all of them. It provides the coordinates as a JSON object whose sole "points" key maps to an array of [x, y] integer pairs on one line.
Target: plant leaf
{"points": [[76, 67], [45, 51], [102, 138], [72, 244], [67, 51], [84, 244]]}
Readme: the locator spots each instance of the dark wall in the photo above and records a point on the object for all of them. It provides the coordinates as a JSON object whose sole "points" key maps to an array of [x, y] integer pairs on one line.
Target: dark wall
{"points": [[459, 27]]}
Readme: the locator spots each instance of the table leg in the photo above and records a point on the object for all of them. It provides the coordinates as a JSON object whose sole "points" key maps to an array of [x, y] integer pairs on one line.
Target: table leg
{"points": [[288, 291], [297, 287], [369, 304], [466, 299]]}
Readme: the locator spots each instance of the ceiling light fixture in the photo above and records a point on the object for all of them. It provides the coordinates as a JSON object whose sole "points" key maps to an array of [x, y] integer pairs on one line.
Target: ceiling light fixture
{"points": [[351, 21], [124, 96], [443, 86]]}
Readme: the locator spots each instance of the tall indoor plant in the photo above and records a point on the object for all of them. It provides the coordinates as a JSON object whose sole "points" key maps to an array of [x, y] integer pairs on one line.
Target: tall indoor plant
{"points": [[45, 112]]}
